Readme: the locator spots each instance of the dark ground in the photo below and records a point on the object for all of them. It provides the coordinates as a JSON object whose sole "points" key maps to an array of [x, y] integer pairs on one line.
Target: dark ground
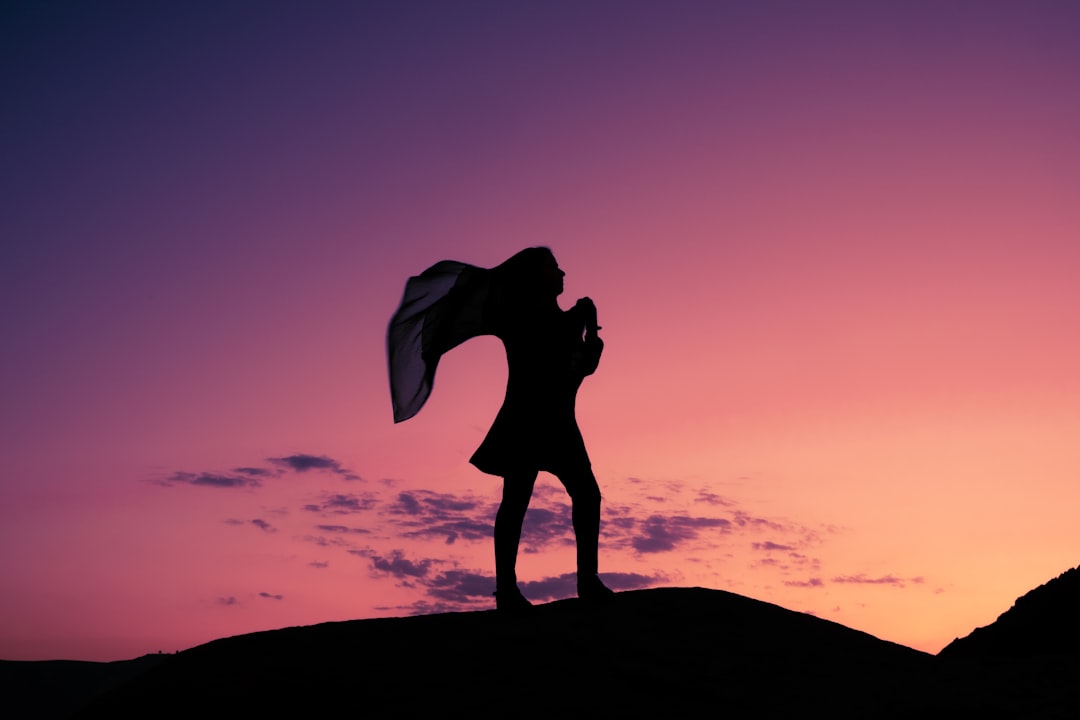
{"points": [[663, 652]]}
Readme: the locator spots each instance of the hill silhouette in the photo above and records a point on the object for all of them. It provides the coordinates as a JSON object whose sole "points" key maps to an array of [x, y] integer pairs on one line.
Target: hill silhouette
{"points": [[659, 652], [1044, 621], [656, 651], [60, 688]]}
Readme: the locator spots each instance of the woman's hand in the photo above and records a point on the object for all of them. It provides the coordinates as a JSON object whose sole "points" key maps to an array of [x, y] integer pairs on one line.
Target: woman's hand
{"points": [[587, 311]]}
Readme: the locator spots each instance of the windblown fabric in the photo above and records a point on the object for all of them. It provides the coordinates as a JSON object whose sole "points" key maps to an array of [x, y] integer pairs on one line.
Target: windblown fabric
{"points": [[443, 307]]}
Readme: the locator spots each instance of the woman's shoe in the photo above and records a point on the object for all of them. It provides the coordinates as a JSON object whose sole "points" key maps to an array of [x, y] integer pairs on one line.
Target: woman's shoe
{"points": [[510, 600], [594, 592]]}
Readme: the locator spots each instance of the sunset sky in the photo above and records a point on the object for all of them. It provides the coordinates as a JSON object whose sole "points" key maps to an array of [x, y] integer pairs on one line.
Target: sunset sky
{"points": [[834, 248]]}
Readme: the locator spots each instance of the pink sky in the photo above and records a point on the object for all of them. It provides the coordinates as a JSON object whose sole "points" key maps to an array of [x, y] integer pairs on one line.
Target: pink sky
{"points": [[833, 247]]}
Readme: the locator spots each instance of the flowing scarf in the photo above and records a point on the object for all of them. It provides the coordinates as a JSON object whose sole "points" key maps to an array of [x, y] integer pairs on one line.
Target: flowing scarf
{"points": [[443, 307]]}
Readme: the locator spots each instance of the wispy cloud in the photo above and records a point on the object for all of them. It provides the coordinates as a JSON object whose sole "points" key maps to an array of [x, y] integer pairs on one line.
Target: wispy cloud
{"points": [[397, 565], [344, 529], [271, 596], [431, 504], [251, 476], [343, 504], [460, 587], [212, 480], [711, 498], [662, 533], [769, 546], [303, 462], [800, 559], [425, 514], [254, 471], [544, 526], [701, 521], [374, 523], [457, 589], [256, 522], [632, 581], [565, 585], [336, 540], [890, 579], [746, 520], [230, 600]]}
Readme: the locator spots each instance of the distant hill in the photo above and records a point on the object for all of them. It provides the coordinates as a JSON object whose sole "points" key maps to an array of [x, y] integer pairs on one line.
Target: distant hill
{"points": [[59, 688], [1044, 621], [666, 652]]}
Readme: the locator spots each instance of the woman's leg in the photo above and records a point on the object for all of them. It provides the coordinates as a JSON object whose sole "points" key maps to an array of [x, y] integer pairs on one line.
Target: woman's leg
{"points": [[585, 498], [517, 490]]}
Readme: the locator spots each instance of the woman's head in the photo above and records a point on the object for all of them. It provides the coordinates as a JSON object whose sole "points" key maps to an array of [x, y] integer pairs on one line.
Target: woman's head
{"points": [[534, 273]]}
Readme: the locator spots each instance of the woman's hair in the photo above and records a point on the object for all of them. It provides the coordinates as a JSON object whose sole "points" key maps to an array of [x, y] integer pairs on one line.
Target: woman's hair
{"points": [[527, 265], [525, 273], [451, 302], [520, 285]]}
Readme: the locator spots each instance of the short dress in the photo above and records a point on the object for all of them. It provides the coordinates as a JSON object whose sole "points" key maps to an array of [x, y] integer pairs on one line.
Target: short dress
{"points": [[536, 427]]}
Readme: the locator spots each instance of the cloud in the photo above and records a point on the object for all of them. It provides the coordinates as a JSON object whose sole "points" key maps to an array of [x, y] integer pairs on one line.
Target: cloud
{"points": [[428, 504], [318, 564], [659, 533], [713, 499], [768, 545], [565, 585], [400, 567], [890, 579], [702, 521], [406, 504], [324, 542], [302, 462], [631, 581], [257, 522], [270, 596], [550, 588], [544, 525], [460, 586], [253, 477], [451, 530], [343, 504], [811, 583], [206, 479], [254, 471], [342, 529], [230, 600], [456, 590], [424, 607], [800, 559], [745, 520], [425, 514]]}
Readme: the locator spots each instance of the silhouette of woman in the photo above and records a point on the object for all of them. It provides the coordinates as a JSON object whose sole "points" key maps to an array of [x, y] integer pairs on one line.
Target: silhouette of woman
{"points": [[549, 352]]}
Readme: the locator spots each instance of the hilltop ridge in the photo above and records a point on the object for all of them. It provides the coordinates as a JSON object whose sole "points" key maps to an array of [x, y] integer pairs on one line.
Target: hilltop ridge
{"points": [[1045, 620], [666, 650], [657, 652]]}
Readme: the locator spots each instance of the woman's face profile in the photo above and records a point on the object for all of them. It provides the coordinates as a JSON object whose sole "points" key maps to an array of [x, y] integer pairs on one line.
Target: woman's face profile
{"points": [[552, 276]]}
